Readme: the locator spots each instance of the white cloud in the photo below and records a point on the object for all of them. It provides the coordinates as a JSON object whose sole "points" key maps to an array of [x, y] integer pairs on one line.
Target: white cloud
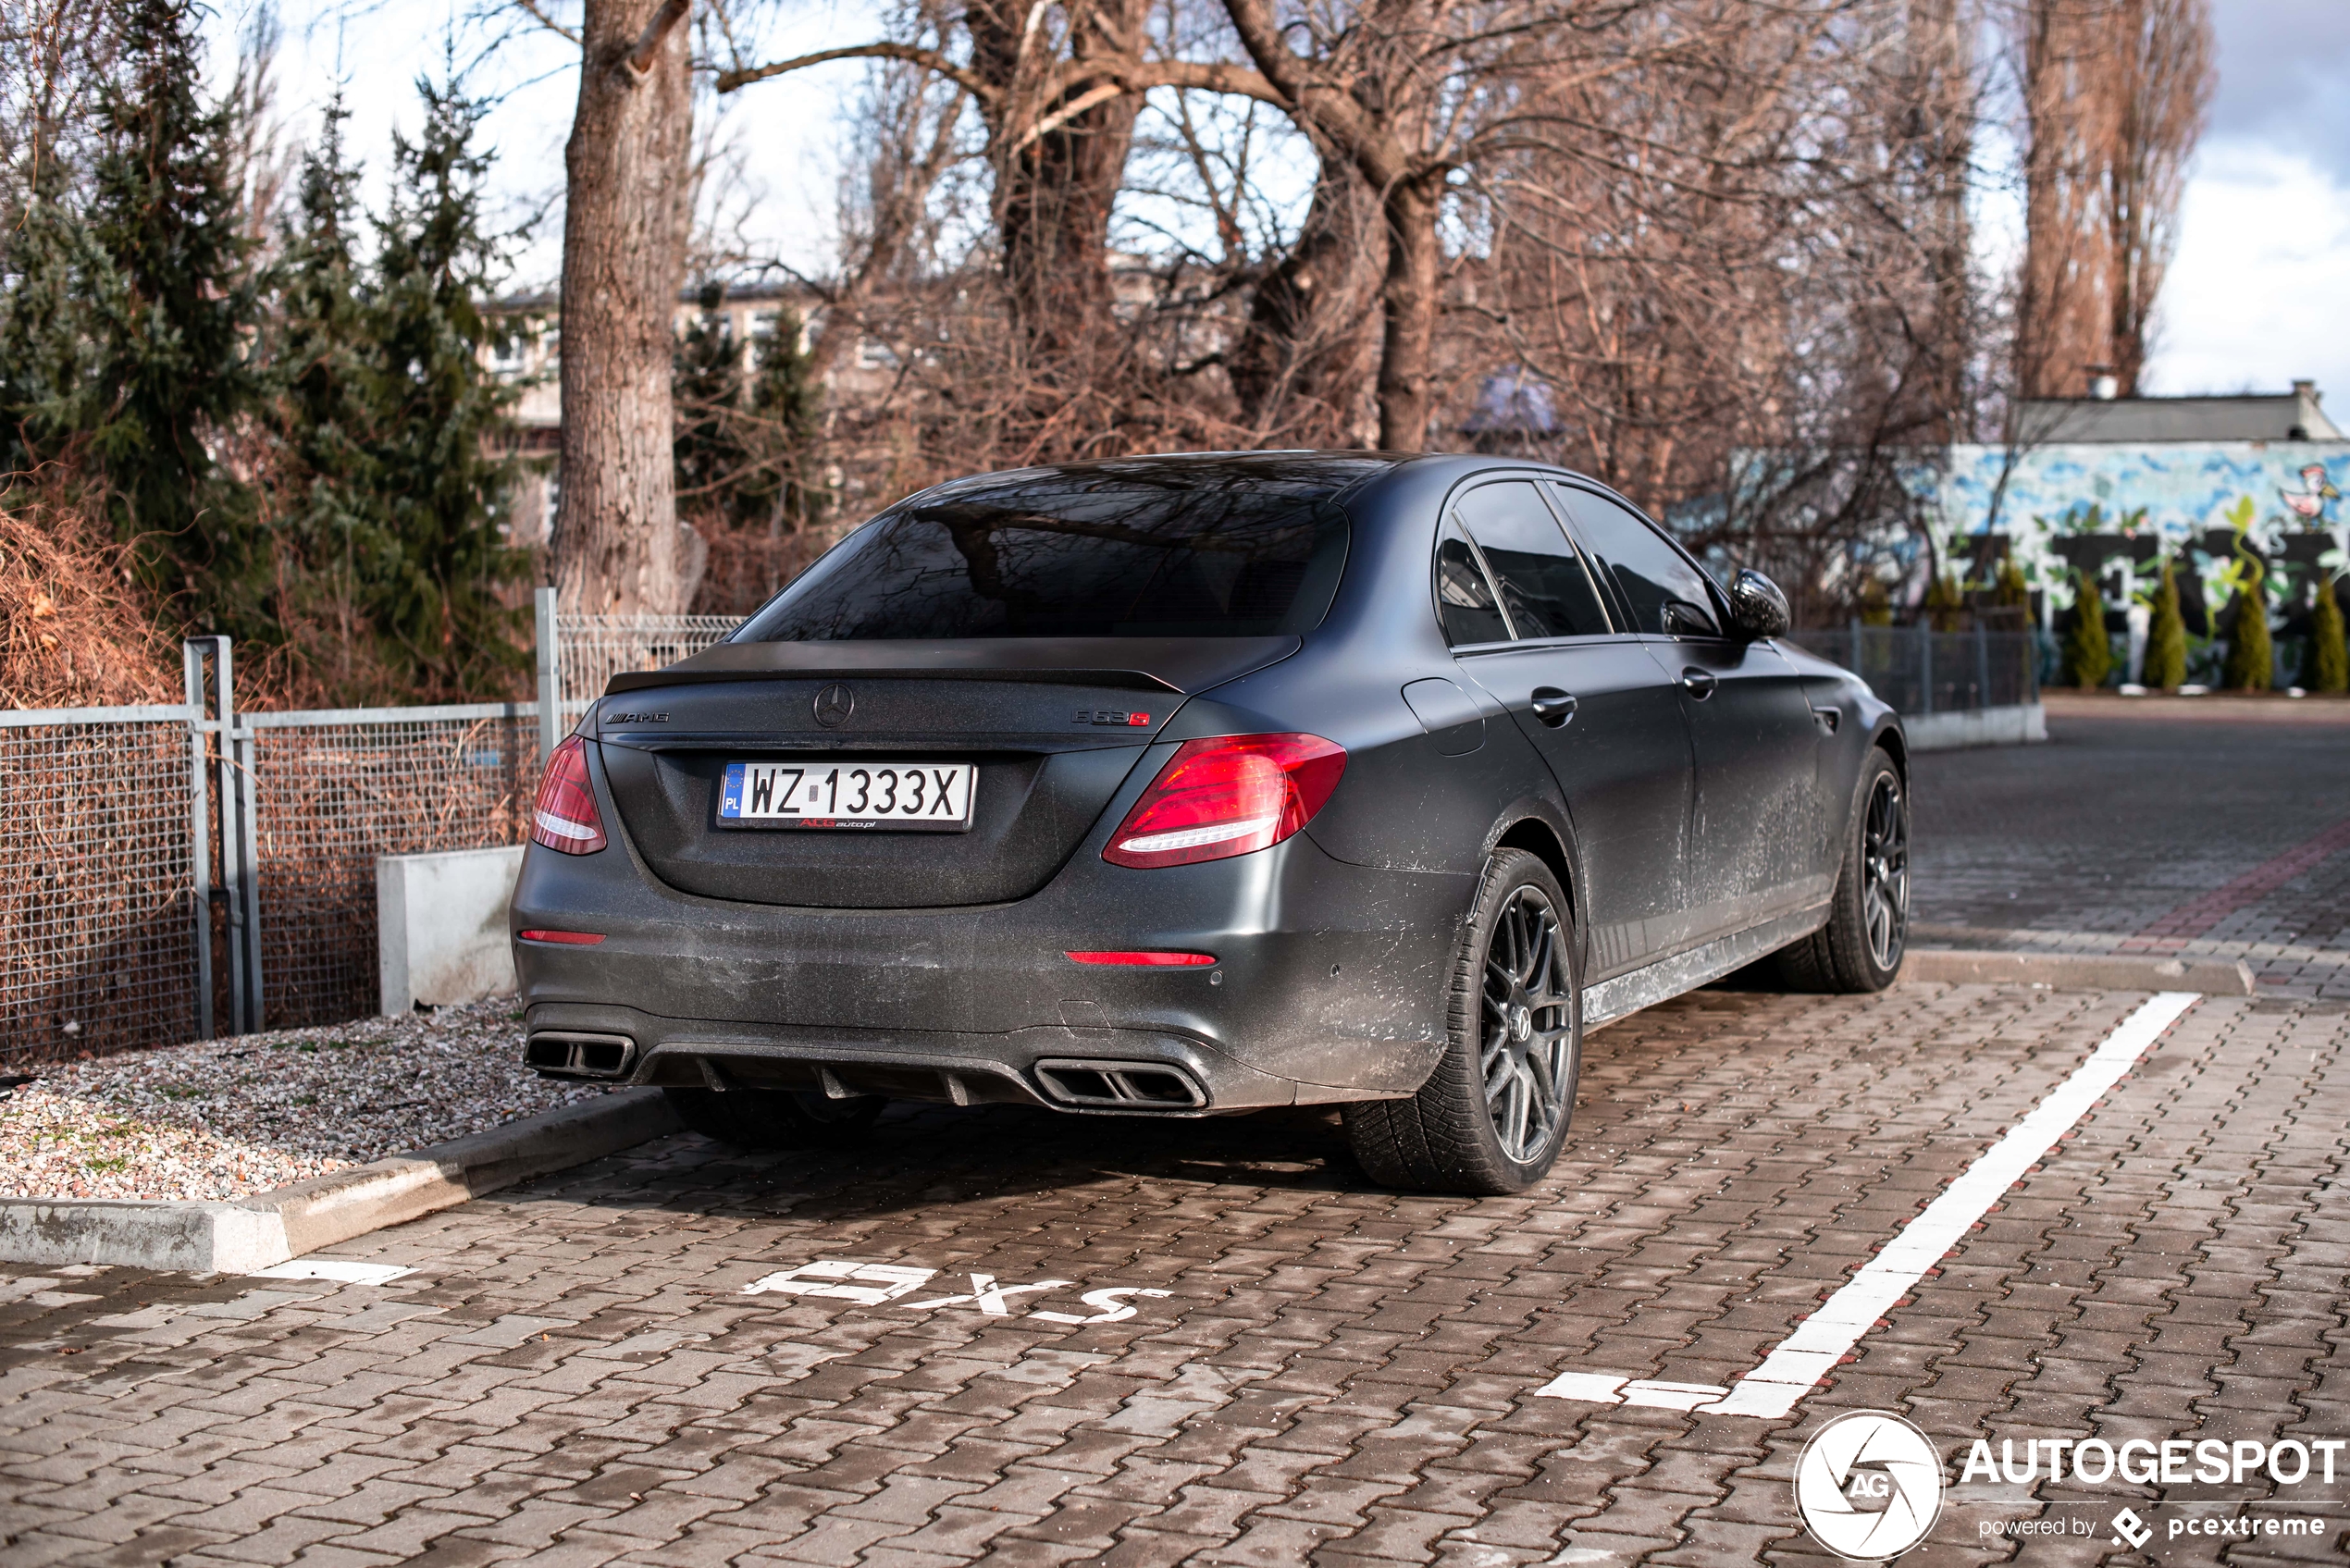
{"points": [[2256, 295]]}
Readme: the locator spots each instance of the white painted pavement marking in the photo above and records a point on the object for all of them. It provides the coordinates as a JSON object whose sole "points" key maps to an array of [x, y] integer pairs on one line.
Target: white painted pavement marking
{"points": [[350, 1271], [884, 1282], [1796, 1364]]}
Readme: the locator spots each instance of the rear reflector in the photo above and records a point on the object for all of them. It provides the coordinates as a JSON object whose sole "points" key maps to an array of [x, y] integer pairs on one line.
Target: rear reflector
{"points": [[1228, 796], [1155, 960], [568, 938], [565, 818]]}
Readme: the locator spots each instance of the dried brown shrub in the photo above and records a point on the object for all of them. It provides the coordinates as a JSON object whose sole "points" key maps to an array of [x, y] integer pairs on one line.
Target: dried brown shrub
{"points": [[75, 630]]}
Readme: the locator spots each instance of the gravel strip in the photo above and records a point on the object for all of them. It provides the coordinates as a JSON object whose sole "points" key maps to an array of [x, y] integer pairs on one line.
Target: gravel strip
{"points": [[226, 1118]]}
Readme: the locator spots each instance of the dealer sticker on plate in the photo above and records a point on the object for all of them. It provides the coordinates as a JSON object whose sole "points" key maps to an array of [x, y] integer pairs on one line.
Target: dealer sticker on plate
{"points": [[900, 796]]}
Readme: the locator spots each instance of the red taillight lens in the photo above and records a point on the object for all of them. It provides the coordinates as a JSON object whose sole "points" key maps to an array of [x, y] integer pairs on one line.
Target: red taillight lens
{"points": [[1144, 959], [565, 817], [1226, 796], [565, 938]]}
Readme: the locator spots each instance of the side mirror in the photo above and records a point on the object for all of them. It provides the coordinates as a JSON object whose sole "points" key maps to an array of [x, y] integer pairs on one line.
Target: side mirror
{"points": [[1757, 606]]}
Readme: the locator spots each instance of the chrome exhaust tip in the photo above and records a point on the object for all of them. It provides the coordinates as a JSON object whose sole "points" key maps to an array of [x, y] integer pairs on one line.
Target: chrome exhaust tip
{"points": [[1120, 1086], [555, 1054]]}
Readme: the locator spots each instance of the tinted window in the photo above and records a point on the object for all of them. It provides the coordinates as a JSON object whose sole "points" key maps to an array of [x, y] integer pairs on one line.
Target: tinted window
{"points": [[1464, 598], [1541, 579], [1240, 549], [1666, 594]]}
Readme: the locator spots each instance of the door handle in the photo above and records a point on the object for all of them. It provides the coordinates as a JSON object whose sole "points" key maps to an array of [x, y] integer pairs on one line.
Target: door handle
{"points": [[1699, 683], [1552, 706]]}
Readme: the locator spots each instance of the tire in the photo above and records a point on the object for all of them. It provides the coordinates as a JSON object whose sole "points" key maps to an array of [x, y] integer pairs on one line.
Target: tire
{"points": [[1850, 954], [1492, 1118], [775, 1119]]}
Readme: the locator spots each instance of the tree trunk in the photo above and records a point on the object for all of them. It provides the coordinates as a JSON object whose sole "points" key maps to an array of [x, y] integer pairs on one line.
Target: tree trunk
{"points": [[1303, 366], [1056, 190], [1407, 378], [616, 537]]}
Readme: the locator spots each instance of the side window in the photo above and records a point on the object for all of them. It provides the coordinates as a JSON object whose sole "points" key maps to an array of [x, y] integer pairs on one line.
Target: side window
{"points": [[1666, 594], [1542, 579], [1464, 597]]}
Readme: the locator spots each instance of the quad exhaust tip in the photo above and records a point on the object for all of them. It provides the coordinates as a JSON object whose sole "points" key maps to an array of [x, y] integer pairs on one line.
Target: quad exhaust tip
{"points": [[580, 1056], [1121, 1086]]}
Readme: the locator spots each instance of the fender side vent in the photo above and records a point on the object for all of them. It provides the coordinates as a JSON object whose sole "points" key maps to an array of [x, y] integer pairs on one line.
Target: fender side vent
{"points": [[1125, 1086], [580, 1055]]}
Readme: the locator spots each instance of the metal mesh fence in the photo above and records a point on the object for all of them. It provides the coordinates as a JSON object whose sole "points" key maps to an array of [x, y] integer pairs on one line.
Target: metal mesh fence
{"points": [[97, 948], [339, 789], [593, 648], [1919, 670]]}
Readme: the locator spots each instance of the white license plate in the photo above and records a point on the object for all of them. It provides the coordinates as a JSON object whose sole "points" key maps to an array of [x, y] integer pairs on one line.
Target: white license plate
{"points": [[898, 795]]}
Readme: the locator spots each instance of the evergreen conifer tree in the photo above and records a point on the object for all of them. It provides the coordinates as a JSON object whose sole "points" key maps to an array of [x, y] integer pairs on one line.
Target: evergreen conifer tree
{"points": [[171, 321], [743, 439], [2088, 647], [55, 272], [1945, 603], [2251, 664], [707, 383], [329, 394], [2326, 667], [2166, 660], [439, 454], [788, 399], [2013, 589]]}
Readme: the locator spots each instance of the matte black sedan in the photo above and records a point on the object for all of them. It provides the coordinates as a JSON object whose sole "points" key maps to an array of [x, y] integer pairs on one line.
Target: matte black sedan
{"points": [[1189, 784]]}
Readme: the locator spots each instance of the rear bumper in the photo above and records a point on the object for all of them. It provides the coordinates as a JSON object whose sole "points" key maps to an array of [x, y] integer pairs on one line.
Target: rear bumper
{"points": [[1328, 984]]}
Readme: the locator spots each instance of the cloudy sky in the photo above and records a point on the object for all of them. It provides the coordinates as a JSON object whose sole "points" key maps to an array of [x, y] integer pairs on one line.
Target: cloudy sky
{"points": [[2259, 292]]}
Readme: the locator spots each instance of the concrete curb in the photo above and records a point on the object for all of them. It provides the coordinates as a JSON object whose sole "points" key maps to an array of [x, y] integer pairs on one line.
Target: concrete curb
{"points": [[270, 1227], [2080, 971]]}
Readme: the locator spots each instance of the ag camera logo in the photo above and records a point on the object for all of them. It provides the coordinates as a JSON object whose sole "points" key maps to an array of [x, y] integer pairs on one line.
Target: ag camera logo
{"points": [[1868, 1484]]}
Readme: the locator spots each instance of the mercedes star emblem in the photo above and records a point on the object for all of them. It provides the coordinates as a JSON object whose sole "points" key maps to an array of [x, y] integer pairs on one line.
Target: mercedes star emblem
{"points": [[833, 705]]}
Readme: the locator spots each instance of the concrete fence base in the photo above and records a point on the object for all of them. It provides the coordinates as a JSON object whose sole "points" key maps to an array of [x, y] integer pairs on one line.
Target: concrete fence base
{"points": [[440, 924], [2023, 724]]}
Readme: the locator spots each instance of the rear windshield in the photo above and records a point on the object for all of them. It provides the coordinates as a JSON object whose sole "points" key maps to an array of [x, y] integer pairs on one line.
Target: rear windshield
{"points": [[1248, 548]]}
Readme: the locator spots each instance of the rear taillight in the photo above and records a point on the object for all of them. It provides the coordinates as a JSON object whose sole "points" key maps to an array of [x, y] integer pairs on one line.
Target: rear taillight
{"points": [[1139, 958], [1226, 796], [565, 816]]}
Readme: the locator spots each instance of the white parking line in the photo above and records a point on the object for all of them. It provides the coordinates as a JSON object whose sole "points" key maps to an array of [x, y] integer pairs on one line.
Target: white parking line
{"points": [[1796, 1365]]}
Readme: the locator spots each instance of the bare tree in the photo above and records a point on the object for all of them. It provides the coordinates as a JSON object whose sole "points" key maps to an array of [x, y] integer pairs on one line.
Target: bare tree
{"points": [[2162, 79], [616, 537], [2114, 96]]}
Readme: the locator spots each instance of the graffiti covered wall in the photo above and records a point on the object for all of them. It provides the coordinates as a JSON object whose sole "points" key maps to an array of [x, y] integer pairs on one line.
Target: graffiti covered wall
{"points": [[2184, 488]]}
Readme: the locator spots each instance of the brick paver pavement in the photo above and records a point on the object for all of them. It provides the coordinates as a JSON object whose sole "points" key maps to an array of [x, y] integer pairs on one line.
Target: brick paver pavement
{"points": [[577, 1372], [2223, 839]]}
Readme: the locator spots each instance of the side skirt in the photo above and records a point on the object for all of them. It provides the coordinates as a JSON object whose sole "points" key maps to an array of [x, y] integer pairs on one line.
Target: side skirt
{"points": [[1667, 977]]}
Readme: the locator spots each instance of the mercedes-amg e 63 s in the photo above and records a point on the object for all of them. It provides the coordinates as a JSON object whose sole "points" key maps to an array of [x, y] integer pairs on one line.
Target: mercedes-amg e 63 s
{"points": [[1190, 784]]}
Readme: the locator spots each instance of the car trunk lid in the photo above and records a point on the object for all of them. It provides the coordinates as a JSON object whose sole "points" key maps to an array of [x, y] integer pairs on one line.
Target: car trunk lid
{"points": [[1054, 730]]}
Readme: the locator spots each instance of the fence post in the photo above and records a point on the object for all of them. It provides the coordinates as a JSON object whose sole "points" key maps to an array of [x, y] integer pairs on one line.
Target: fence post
{"points": [[239, 799], [550, 684], [1982, 666], [244, 749], [1925, 666], [191, 656]]}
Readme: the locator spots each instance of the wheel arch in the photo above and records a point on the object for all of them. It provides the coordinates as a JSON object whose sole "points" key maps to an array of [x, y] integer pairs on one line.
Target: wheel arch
{"points": [[1896, 745], [1542, 831]]}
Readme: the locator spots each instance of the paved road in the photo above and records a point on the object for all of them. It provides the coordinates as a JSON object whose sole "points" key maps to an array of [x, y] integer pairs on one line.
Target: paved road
{"points": [[1282, 1366], [2211, 836]]}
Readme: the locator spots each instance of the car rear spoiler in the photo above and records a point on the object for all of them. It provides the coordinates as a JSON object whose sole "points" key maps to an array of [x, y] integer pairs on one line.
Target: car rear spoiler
{"points": [[1184, 665]]}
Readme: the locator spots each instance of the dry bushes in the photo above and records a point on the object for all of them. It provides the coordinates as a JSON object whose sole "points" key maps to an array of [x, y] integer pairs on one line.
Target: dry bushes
{"points": [[75, 631]]}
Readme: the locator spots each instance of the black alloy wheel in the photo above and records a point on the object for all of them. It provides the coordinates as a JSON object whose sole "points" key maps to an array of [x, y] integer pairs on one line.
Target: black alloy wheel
{"points": [[1860, 949], [1493, 1114], [1884, 854], [1527, 1041]]}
